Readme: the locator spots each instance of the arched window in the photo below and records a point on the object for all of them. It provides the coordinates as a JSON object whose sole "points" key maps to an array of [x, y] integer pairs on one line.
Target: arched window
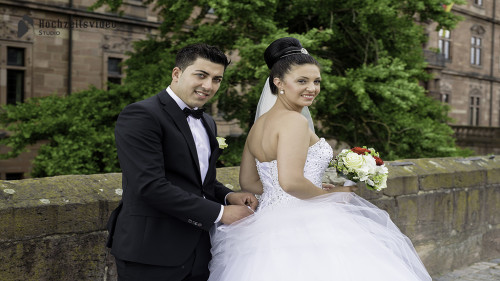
{"points": [[476, 43]]}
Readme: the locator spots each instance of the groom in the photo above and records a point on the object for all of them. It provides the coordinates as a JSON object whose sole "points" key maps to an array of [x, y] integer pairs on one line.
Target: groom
{"points": [[167, 150]]}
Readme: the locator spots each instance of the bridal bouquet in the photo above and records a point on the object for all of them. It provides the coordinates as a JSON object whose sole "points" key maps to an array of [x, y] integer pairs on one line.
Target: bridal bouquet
{"points": [[361, 164]]}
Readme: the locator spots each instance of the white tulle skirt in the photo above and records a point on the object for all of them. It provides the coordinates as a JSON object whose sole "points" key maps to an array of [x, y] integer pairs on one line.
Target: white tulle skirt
{"points": [[339, 236]]}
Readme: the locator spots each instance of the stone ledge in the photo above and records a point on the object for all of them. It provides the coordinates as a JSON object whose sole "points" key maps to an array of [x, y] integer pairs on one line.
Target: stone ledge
{"points": [[447, 206], [63, 204]]}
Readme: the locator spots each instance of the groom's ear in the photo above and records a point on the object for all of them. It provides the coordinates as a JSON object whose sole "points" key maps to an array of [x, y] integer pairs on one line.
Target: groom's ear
{"points": [[176, 73]]}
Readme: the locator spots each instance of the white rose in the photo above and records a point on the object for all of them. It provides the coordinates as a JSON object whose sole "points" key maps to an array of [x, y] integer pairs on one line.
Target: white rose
{"points": [[382, 170], [222, 142], [369, 166], [353, 160]]}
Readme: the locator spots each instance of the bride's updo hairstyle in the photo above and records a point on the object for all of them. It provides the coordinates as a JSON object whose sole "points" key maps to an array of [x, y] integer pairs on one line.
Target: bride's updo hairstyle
{"points": [[281, 55]]}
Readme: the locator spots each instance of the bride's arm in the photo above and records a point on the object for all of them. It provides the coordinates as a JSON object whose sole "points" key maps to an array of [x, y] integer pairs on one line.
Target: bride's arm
{"points": [[293, 145], [249, 177]]}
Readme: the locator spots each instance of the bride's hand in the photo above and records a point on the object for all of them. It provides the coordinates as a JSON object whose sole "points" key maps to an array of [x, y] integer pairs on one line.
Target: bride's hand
{"points": [[333, 188]]}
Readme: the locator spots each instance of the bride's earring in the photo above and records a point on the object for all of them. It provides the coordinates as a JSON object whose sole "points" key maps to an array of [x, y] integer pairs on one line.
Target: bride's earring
{"points": [[282, 92]]}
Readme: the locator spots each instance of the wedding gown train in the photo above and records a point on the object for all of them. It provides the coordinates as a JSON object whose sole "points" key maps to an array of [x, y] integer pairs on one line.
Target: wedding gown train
{"points": [[339, 236]]}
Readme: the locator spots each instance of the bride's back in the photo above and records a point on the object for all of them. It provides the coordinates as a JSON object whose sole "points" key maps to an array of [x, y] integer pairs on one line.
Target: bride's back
{"points": [[263, 137]]}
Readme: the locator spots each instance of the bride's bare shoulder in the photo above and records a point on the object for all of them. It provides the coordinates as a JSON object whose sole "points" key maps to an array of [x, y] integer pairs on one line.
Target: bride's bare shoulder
{"points": [[292, 118], [277, 121]]}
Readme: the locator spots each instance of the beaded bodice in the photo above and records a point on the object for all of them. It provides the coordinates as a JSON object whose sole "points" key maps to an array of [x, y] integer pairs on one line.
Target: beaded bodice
{"points": [[318, 157]]}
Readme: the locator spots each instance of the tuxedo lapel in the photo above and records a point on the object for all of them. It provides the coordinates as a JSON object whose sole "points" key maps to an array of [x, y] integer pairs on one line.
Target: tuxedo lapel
{"points": [[214, 145], [177, 115], [210, 132]]}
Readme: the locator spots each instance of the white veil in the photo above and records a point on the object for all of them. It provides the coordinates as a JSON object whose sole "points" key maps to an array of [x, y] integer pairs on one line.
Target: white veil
{"points": [[267, 100]]}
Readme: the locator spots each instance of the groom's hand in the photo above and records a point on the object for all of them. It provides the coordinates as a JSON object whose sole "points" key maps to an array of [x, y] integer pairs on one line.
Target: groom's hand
{"points": [[234, 213], [242, 198]]}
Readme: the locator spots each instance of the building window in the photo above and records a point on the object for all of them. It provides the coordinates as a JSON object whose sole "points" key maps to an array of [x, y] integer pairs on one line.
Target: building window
{"points": [[474, 110], [14, 176], [15, 56], [15, 75], [475, 50], [114, 70], [444, 43], [478, 2], [445, 98]]}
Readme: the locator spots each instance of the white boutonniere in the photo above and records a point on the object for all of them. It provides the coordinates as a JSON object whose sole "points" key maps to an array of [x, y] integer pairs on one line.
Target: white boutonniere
{"points": [[222, 142]]}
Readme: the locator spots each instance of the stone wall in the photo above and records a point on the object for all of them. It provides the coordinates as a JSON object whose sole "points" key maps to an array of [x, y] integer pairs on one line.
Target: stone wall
{"points": [[53, 228]]}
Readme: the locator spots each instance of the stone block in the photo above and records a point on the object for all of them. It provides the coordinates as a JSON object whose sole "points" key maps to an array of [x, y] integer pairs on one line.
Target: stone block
{"points": [[432, 174], [402, 180], [492, 205], [435, 211], [475, 208], [491, 244], [407, 216], [492, 166], [63, 204], [469, 210], [459, 221], [387, 204], [54, 258], [368, 194], [442, 256], [53, 80], [468, 173]]}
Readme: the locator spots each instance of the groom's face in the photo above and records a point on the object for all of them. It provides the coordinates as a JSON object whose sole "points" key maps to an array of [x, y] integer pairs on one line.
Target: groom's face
{"points": [[197, 83]]}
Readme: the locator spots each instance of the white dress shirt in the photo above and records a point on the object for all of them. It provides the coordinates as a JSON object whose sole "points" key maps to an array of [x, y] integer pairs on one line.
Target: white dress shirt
{"points": [[201, 141]]}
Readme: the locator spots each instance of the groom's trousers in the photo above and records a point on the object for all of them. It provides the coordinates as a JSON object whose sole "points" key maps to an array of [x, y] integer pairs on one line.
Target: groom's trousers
{"points": [[194, 269]]}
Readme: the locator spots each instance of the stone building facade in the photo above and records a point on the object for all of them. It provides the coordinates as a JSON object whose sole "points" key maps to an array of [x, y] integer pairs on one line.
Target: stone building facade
{"points": [[465, 64], [58, 47]]}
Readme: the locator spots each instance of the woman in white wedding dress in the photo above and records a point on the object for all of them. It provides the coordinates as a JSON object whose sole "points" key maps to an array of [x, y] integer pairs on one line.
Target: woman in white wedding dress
{"points": [[303, 229]]}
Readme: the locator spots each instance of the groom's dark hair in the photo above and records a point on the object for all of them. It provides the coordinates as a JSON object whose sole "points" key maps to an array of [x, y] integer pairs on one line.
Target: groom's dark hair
{"points": [[281, 55], [187, 55]]}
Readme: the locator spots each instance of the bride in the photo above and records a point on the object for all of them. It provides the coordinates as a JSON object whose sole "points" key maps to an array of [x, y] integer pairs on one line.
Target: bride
{"points": [[303, 229]]}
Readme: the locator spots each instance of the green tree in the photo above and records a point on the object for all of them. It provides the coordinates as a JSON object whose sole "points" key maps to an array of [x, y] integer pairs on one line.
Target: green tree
{"points": [[77, 130], [371, 59]]}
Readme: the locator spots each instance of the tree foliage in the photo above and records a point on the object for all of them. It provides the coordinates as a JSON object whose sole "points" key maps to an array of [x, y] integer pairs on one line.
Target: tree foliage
{"points": [[78, 129], [371, 58]]}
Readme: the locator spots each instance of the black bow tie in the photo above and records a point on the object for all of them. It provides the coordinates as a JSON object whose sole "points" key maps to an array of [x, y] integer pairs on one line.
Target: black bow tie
{"points": [[196, 113]]}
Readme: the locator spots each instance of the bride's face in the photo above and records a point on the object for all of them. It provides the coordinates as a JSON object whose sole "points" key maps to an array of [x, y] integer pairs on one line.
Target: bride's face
{"points": [[301, 85]]}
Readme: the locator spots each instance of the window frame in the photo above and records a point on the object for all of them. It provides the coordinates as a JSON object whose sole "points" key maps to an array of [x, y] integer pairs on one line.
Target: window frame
{"points": [[27, 91], [444, 41], [106, 74], [474, 109], [476, 50]]}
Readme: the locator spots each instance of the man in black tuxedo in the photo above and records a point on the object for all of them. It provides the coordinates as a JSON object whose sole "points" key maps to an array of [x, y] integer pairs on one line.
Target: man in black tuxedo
{"points": [[167, 150]]}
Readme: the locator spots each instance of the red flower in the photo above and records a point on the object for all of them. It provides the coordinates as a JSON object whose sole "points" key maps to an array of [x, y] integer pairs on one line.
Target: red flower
{"points": [[378, 161], [360, 150]]}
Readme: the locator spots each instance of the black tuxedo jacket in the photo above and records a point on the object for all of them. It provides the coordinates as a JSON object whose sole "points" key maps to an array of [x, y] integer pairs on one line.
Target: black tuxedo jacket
{"points": [[166, 207]]}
